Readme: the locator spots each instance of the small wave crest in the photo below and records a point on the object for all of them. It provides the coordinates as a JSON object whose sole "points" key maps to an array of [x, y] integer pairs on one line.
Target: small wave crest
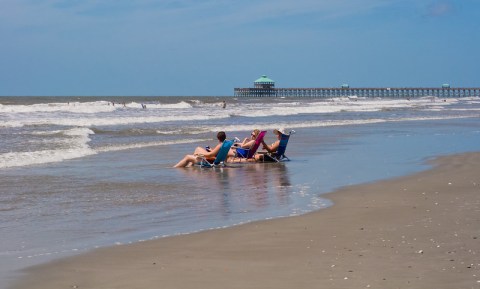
{"points": [[340, 105], [71, 107], [104, 121], [178, 105], [320, 123], [74, 145], [145, 144]]}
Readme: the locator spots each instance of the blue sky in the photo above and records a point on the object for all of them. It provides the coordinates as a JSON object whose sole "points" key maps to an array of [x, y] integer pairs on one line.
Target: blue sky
{"points": [[208, 47]]}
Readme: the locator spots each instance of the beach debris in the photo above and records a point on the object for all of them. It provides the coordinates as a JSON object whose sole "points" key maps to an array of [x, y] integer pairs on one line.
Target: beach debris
{"points": [[420, 251]]}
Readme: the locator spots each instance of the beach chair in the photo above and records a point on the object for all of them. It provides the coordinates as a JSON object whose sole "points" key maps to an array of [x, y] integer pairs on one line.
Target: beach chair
{"points": [[247, 154], [279, 155], [220, 158]]}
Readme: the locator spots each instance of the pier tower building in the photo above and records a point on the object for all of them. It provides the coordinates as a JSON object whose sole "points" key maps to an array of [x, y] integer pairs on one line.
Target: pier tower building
{"points": [[265, 87]]}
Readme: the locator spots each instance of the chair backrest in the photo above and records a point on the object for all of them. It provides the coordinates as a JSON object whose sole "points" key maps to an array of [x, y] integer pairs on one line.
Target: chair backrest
{"points": [[282, 147], [223, 152], [257, 143]]}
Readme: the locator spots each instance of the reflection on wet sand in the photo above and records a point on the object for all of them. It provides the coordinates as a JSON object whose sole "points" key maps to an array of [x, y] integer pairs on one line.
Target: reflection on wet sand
{"points": [[243, 188]]}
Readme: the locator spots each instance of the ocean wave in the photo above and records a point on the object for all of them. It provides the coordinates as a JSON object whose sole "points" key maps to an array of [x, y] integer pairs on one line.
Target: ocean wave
{"points": [[71, 107], [183, 131], [105, 121], [320, 123], [338, 105], [87, 107], [78, 148], [113, 148], [130, 131], [75, 146], [21, 159], [178, 105], [101, 113]]}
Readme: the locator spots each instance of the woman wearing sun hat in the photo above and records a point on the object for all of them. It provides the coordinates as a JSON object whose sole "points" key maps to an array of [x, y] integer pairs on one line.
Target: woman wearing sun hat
{"points": [[273, 147]]}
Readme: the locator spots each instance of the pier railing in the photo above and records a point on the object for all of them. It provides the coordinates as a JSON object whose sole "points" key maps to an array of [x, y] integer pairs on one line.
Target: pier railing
{"points": [[405, 92]]}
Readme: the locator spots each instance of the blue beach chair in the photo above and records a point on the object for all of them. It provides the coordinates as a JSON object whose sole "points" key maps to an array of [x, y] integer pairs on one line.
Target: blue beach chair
{"points": [[279, 155], [221, 157]]}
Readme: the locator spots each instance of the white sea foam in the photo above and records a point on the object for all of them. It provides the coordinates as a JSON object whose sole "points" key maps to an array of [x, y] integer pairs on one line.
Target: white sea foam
{"points": [[338, 105], [102, 113], [178, 105], [465, 109], [104, 121], [85, 107], [77, 147], [145, 144], [72, 107], [75, 143], [312, 124]]}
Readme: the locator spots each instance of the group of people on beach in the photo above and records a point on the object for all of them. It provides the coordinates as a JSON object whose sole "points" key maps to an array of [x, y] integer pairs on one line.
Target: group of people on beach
{"points": [[248, 142]]}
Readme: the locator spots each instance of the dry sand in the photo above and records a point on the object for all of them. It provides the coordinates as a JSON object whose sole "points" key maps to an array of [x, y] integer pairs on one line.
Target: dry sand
{"points": [[420, 231]]}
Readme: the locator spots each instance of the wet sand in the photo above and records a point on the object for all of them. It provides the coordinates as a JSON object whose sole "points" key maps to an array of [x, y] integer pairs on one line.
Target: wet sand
{"points": [[419, 231]]}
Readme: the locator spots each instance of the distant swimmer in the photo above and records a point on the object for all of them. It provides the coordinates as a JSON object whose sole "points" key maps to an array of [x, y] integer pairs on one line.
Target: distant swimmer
{"points": [[144, 106], [224, 104]]}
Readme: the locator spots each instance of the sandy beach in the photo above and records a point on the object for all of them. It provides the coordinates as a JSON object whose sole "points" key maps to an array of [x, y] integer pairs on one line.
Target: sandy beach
{"points": [[418, 231]]}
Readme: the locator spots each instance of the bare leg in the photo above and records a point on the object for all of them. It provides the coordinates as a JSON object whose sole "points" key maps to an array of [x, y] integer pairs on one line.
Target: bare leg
{"points": [[187, 160], [200, 151], [259, 157]]}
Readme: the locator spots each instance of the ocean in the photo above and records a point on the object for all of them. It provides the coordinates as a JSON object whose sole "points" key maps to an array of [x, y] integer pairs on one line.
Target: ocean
{"points": [[78, 173]]}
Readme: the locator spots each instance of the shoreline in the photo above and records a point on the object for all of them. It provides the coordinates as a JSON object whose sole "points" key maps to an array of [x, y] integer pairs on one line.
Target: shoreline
{"points": [[416, 231]]}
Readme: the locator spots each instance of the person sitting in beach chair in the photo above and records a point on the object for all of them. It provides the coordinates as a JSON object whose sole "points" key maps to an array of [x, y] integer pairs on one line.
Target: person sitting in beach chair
{"points": [[201, 154], [221, 157], [276, 151], [248, 142], [249, 146]]}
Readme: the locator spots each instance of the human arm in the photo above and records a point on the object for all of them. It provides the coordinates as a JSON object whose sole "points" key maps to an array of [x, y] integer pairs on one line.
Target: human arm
{"points": [[200, 151], [213, 153], [247, 143], [271, 148]]}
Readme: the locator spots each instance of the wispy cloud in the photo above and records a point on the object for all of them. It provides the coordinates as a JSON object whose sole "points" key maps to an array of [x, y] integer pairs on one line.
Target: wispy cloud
{"points": [[440, 8], [181, 19], [253, 11]]}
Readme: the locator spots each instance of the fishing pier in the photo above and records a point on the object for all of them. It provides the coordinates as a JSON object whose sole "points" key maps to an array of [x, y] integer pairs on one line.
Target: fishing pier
{"points": [[265, 87]]}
